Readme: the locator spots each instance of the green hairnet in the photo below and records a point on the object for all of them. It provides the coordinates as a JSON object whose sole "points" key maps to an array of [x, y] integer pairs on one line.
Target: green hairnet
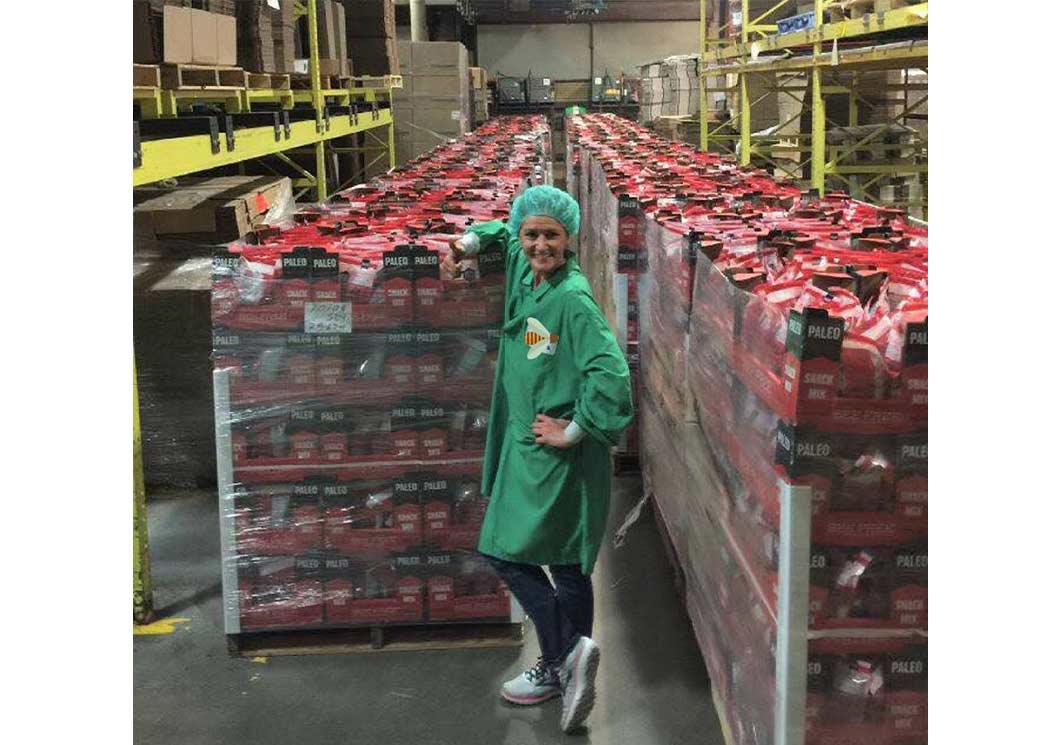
{"points": [[545, 201]]}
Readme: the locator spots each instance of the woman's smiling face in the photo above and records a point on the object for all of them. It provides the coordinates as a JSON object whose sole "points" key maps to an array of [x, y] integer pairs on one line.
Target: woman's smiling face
{"points": [[544, 241]]}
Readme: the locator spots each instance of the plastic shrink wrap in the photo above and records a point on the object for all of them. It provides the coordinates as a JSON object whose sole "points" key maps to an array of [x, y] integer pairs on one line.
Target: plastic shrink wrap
{"points": [[353, 377], [783, 431]]}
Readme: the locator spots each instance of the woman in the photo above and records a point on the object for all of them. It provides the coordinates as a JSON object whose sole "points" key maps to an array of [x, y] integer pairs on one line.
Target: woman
{"points": [[561, 399]]}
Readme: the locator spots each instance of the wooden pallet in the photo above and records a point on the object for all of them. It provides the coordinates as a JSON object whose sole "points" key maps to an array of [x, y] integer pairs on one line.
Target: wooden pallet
{"points": [[846, 9], [202, 77], [302, 82], [375, 639], [275, 81], [882, 6], [378, 82], [146, 76]]}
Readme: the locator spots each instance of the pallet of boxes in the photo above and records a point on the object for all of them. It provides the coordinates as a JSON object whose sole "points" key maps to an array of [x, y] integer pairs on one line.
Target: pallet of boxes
{"points": [[331, 43], [434, 104], [782, 415], [371, 37], [669, 87], [372, 46], [353, 375], [189, 44], [266, 42]]}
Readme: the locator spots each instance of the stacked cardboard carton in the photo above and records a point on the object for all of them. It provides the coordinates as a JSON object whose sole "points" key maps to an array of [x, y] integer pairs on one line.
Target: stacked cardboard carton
{"points": [[171, 33], [175, 232], [331, 38], [435, 102], [480, 95], [266, 35], [370, 36], [150, 35], [214, 209], [669, 87]]}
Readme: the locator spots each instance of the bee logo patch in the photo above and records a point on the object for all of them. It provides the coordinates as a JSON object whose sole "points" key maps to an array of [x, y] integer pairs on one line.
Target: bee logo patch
{"points": [[539, 339]]}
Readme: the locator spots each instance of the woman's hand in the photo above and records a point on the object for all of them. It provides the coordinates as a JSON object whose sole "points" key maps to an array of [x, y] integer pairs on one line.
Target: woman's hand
{"points": [[550, 431], [450, 264]]}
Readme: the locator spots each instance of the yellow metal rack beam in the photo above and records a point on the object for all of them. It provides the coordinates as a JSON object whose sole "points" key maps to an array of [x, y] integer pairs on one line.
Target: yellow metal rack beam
{"points": [[179, 156], [885, 57], [156, 103], [898, 19]]}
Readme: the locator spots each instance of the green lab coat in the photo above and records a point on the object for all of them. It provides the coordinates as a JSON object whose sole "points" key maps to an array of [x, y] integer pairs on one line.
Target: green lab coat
{"points": [[549, 505]]}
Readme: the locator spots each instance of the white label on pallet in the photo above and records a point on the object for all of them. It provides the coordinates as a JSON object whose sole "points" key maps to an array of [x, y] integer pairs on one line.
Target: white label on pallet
{"points": [[328, 318], [598, 81], [546, 81], [274, 4], [454, 115]]}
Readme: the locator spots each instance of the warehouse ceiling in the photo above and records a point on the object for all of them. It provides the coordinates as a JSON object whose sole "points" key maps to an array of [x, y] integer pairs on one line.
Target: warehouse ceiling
{"points": [[575, 11]]}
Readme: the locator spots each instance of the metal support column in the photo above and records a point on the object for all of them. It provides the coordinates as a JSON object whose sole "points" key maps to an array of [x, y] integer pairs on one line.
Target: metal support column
{"points": [[703, 119], [817, 143], [318, 99], [142, 598], [418, 20], [390, 145], [745, 102]]}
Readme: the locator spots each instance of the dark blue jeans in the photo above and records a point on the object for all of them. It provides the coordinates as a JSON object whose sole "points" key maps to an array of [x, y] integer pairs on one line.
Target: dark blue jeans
{"points": [[561, 613]]}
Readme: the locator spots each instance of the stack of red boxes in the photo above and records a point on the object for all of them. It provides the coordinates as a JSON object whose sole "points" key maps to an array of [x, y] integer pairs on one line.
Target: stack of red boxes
{"points": [[358, 375], [783, 341]]}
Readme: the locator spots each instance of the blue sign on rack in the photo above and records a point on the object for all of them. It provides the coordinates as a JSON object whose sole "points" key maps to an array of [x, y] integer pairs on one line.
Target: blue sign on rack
{"points": [[802, 22]]}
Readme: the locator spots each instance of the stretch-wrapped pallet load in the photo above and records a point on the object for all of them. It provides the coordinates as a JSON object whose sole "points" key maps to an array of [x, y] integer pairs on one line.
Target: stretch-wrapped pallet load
{"points": [[434, 103], [611, 244], [353, 377], [669, 87], [783, 415]]}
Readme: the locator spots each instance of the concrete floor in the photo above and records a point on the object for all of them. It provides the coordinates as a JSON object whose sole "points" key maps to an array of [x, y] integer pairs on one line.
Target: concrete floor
{"points": [[652, 686]]}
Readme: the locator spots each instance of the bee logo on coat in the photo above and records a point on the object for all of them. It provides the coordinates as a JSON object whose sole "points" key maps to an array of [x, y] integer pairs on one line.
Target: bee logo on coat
{"points": [[539, 339]]}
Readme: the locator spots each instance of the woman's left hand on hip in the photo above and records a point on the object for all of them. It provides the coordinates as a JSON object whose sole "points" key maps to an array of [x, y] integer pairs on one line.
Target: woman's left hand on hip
{"points": [[549, 431]]}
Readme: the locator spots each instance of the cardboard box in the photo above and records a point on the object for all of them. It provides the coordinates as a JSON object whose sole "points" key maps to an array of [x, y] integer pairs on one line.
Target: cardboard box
{"points": [[331, 29], [145, 50], [332, 67], [478, 77], [283, 36], [375, 57], [226, 39], [370, 19], [447, 86], [438, 57], [445, 120], [223, 208], [258, 23], [340, 33], [176, 35], [204, 47]]}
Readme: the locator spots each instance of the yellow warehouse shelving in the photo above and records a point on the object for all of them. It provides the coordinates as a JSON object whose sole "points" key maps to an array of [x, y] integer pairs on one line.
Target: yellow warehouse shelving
{"points": [[890, 37], [172, 156]]}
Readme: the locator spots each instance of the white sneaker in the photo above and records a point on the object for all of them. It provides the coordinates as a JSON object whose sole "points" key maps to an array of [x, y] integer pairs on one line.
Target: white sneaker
{"points": [[578, 675], [533, 686]]}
